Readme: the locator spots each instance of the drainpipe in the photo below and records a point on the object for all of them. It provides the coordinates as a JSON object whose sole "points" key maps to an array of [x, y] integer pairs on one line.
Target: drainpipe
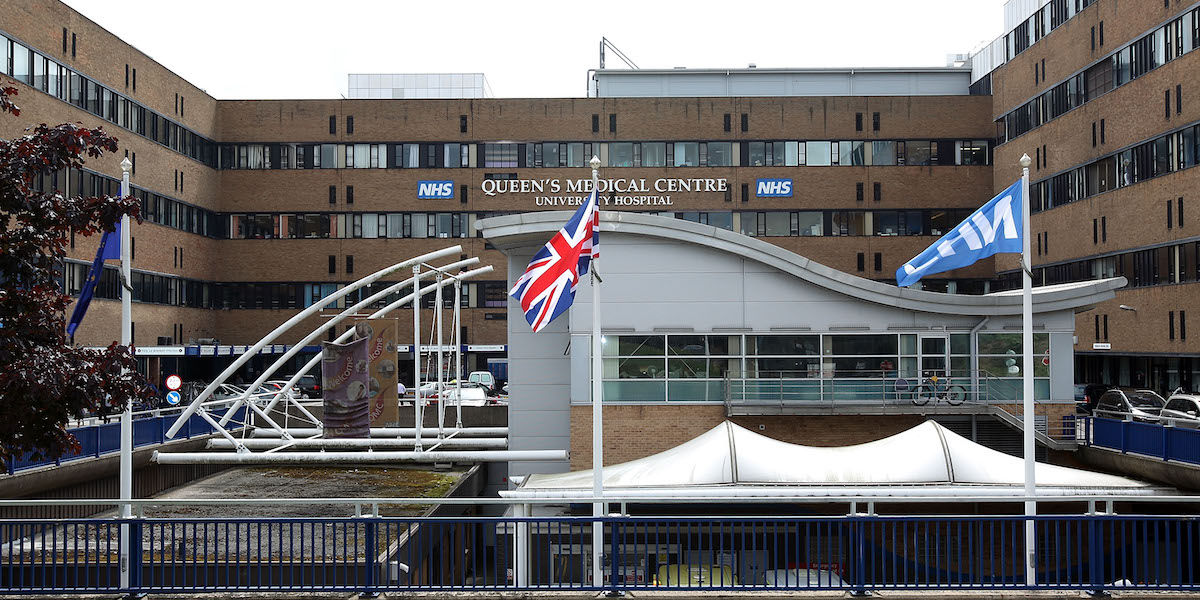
{"points": [[975, 355]]}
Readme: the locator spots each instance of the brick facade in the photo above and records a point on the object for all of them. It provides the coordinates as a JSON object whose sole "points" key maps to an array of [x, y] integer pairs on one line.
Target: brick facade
{"points": [[1133, 113]]}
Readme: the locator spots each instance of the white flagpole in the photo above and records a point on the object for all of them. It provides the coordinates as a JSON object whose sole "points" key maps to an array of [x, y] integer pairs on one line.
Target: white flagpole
{"points": [[1027, 366], [597, 406], [126, 477]]}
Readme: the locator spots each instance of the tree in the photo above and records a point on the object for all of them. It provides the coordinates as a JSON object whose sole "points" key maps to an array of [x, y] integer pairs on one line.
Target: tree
{"points": [[44, 381]]}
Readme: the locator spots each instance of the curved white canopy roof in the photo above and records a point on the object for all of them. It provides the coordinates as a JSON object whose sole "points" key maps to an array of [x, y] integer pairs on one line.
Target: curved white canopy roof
{"points": [[533, 229], [925, 460]]}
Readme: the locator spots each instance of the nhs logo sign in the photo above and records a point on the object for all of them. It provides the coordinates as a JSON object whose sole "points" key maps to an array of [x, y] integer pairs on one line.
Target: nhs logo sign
{"points": [[774, 188], [435, 190]]}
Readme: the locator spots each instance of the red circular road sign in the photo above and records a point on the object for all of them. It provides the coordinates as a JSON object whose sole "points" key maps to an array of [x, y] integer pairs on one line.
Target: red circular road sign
{"points": [[174, 382]]}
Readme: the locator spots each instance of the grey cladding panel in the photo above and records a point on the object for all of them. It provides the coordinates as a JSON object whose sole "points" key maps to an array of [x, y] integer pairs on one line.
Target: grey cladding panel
{"points": [[699, 86], [516, 469], [878, 85], [758, 86], [673, 288], [818, 84], [543, 423], [702, 316], [777, 286]]}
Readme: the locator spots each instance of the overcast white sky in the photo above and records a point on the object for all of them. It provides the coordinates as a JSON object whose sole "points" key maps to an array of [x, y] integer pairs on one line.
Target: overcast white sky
{"points": [[304, 48]]}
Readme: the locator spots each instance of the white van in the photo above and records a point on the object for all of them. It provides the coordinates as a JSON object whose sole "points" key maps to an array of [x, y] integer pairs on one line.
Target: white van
{"points": [[485, 379]]}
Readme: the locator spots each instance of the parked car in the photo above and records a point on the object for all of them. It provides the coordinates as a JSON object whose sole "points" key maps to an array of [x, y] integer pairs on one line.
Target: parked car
{"points": [[1087, 395], [1121, 403], [431, 388], [1182, 410], [472, 395], [688, 575], [486, 379], [309, 386], [294, 392], [802, 578], [228, 391]]}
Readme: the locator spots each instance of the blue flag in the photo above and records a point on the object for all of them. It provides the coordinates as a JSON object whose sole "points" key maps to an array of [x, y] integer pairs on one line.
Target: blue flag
{"points": [[110, 244], [110, 247], [995, 227]]}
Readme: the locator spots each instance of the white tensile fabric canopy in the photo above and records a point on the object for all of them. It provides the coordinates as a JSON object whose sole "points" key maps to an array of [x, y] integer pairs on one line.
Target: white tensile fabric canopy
{"points": [[927, 460]]}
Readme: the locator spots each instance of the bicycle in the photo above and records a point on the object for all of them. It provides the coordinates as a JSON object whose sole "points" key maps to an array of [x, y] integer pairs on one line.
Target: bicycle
{"points": [[938, 389]]}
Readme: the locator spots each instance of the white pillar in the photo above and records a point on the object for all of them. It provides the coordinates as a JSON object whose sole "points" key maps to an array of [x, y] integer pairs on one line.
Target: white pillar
{"points": [[126, 476], [458, 370], [417, 400], [521, 547], [1027, 366], [441, 368], [598, 507]]}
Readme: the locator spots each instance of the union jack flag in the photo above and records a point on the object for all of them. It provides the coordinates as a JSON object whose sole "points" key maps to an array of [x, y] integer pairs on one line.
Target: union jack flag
{"points": [[547, 287]]}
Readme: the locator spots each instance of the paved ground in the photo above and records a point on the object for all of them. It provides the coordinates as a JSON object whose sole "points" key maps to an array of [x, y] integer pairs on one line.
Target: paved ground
{"points": [[307, 482], [221, 538]]}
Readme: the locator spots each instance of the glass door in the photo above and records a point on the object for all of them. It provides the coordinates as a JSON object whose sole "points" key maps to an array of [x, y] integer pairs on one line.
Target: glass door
{"points": [[934, 355]]}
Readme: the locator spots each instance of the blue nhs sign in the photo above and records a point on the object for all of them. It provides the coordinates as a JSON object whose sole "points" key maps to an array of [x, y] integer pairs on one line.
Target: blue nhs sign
{"points": [[774, 188], [435, 190]]}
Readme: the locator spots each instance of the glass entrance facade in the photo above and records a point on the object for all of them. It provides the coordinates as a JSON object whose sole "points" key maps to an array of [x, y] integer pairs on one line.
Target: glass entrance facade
{"points": [[812, 366]]}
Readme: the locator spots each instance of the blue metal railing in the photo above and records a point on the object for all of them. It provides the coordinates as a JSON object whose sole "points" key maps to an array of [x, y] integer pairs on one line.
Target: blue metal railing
{"points": [[105, 438], [370, 554], [1155, 440]]}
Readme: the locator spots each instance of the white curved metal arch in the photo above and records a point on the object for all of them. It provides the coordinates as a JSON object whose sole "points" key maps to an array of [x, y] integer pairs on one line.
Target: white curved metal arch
{"points": [[299, 317], [326, 326], [285, 436], [533, 229]]}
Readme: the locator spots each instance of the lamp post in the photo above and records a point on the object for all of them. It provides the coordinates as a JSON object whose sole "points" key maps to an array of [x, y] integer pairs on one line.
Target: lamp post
{"points": [[126, 476], [1027, 377], [598, 506]]}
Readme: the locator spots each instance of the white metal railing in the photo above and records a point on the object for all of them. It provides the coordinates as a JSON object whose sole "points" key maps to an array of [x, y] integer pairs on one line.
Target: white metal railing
{"points": [[1105, 503], [864, 387]]}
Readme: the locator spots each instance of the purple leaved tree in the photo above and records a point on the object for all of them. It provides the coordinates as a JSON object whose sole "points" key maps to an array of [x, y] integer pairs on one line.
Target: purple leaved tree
{"points": [[45, 381]]}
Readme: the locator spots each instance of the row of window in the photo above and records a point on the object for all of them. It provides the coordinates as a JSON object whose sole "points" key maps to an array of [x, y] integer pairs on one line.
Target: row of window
{"points": [[352, 225], [44, 73], [156, 208], [1042, 22], [1175, 151], [454, 155], [151, 288], [648, 368], [935, 222], [1180, 36], [1179, 263]]}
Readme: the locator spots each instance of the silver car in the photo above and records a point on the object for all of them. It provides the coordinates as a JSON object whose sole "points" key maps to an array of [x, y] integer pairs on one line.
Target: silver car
{"points": [[1182, 410], [1126, 403]]}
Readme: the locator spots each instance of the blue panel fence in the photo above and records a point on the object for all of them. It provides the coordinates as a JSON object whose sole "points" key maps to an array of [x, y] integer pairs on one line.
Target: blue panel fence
{"points": [[854, 553], [105, 438], [1155, 440]]}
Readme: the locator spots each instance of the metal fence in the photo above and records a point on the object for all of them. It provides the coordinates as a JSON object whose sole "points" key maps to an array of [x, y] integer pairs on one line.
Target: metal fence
{"points": [[858, 387], [858, 552], [149, 429], [1158, 440]]}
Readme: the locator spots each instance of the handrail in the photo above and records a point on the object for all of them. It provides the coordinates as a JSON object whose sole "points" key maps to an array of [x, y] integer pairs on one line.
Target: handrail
{"points": [[1043, 438], [613, 499], [91, 436], [832, 387], [1177, 445]]}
